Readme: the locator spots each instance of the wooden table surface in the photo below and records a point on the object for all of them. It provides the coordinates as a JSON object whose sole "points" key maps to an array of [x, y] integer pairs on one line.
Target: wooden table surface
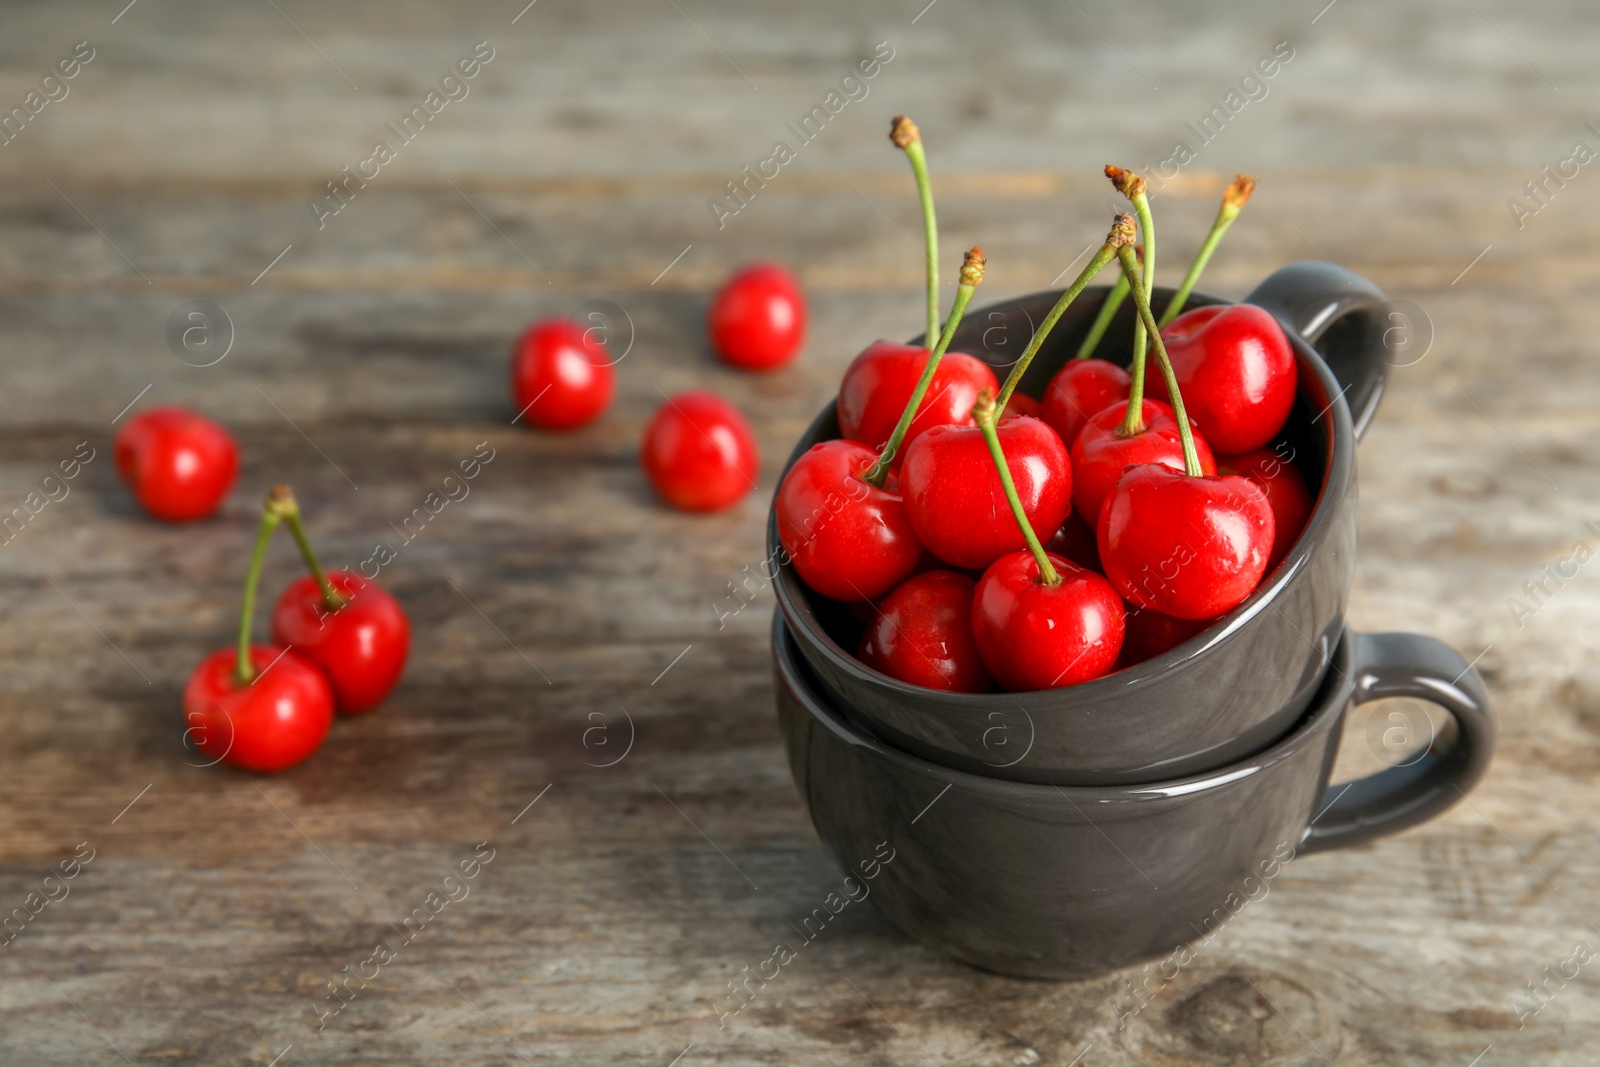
{"points": [[565, 621]]}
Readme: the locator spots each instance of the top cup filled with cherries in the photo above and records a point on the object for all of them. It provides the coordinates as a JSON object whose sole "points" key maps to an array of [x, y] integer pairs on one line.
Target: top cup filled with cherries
{"points": [[989, 540]]}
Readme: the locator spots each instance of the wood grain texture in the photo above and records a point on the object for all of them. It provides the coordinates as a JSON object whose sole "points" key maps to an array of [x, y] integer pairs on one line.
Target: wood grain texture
{"points": [[558, 603]]}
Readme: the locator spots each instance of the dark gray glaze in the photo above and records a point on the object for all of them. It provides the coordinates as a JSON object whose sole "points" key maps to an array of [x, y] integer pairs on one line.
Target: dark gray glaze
{"points": [[1047, 881], [1229, 691]]}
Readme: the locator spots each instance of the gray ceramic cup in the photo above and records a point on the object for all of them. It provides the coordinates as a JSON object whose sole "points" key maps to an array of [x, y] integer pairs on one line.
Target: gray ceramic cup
{"points": [[1220, 696], [1071, 882]]}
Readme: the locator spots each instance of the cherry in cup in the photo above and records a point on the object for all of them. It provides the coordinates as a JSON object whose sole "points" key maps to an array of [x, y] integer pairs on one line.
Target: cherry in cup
{"points": [[841, 518], [258, 707], [1040, 621], [177, 463], [1181, 542], [922, 635], [1286, 492], [758, 318], [343, 623], [1237, 372], [699, 453], [881, 380], [561, 376]]}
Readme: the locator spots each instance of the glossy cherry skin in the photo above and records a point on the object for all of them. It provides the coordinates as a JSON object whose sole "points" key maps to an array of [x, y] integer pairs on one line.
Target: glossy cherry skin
{"points": [[1286, 492], [1100, 454], [922, 635], [1076, 541], [361, 647], [268, 725], [879, 382], [177, 463], [1079, 391], [1150, 633], [1191, 548], [1034, 636], [847, 539], [561, 376], [758, 319], [956, 502], [1237, 373], [699, 452]]}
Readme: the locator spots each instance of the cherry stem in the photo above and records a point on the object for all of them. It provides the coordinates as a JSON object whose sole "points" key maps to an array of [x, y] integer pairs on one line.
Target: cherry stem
{"points": [[1108, 311], [1191, 458], [971, 278], [1107, 253], [1233, 200], [1132, 186], [905, 135], [244, 672], [984, 411], [282, 498]]}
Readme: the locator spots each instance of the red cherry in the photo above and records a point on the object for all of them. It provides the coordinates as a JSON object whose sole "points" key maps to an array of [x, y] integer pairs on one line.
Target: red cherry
{"points": [[879, 382], [1151, 633], [177, 463], [923, 635], [266, 725], [1076, 541], [1021, 404], [1286, 492], [1081, 390], [1188, 547], [848, 540], [361, 646], [561, 375], [1101, 454], [758, 318], [699, 452], [1237, 373], [955, 499], [1034, 636]]}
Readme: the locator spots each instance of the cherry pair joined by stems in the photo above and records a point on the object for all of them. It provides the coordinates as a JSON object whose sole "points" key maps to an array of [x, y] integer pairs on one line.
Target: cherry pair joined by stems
{"points": [[758, 319], [177, 463], [561, 376], [266, 708], [841, 518], [699, 453], [1181, 542]]}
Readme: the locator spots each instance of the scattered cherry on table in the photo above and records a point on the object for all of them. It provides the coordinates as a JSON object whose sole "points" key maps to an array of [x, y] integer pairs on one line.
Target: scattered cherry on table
{"points": [[699, 452], [758, 318], [177, 463], [345, 624], [257, 707], [561, 375]]}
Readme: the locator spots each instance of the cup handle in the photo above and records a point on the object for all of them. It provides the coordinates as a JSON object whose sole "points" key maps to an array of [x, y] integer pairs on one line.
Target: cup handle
{"points": [[1309, 297], [1409, 665]]}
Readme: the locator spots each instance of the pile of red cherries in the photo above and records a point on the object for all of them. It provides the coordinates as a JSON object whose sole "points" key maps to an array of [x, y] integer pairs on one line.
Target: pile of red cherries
{"points": [[339, 640], [1034, 544]]}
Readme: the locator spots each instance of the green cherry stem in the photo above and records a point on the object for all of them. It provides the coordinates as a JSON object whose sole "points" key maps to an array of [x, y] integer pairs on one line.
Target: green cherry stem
{"points": [[985, 411], [1107, 253], [1191, 458], [244, 672], [282, 498], [905, 135], [1234, 198], [1108, 311], [1132, 186], [971, 278]]}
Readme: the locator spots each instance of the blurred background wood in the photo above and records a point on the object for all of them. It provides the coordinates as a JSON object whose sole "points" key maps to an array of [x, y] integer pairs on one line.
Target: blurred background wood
{"points": [[559, 603]]}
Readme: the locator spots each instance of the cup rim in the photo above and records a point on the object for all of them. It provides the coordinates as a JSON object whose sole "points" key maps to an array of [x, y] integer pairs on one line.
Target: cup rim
{"points": [[1333, 698], [1336, 484]]}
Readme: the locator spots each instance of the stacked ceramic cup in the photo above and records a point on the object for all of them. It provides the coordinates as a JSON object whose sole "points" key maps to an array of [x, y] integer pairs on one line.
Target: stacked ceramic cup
{"points": [[1067, 832]]}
